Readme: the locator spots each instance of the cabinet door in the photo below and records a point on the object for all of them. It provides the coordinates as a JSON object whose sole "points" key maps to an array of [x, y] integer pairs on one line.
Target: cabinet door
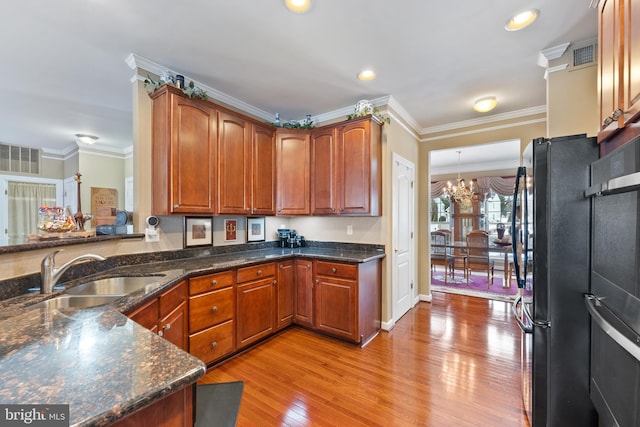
{"points": [[173, 327], [234, 165], [263, 194], [323, 172], [193, 174], [292, 152], [359, 178], [255, 311], [147, 315], [303, 314], [285, 290], [609, 66], [335, 307], [632, 61]]}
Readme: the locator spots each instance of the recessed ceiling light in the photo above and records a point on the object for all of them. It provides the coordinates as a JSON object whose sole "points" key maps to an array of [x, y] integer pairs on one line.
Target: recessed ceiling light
{"points": [[86, 139], [298, 6], [521, 20], [485, 104], [366, 75]]}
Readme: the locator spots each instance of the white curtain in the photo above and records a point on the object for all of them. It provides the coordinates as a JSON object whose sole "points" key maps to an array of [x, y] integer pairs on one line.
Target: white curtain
{"points": [[486, 184], [24, 199]]}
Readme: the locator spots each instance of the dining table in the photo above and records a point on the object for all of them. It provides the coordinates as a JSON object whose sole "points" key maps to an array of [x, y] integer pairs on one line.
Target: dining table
{"points": [[460, 247]]}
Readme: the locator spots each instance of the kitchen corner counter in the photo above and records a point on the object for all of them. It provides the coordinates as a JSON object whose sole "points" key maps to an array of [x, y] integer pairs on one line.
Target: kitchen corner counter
{"points": [[102, 364]]}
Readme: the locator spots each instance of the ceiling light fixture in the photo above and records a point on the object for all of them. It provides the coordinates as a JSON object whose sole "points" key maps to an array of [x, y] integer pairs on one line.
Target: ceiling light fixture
{"points": [[485, 104], [366, 75], [298, 6], [522, 20], [460, 193], [86, 139]]}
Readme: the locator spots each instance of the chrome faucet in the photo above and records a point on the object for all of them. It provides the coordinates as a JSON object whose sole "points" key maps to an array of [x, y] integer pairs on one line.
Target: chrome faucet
{"points": [[49, 274]]}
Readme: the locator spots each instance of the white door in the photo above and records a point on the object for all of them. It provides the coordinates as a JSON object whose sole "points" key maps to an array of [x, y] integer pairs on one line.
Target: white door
{"points": [[403, 289]]}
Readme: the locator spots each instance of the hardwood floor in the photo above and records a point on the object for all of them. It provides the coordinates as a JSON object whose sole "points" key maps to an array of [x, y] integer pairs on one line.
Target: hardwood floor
{"points": [[452, 362]]}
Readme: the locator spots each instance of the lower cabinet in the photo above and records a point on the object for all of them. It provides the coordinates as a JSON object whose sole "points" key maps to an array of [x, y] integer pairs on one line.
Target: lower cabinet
{"points": [[285, 289], [303, 306], [212, 316], [175, 410], [255, 303], [166, 315], [347, 300]]}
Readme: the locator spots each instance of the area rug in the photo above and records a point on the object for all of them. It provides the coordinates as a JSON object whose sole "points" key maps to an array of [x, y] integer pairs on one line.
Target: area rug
{"points": [[217, 405], [477, 286]]}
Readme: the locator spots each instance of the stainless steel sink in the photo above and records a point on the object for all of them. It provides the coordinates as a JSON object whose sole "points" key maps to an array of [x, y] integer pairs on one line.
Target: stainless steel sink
{"points": [[76, 301], [120, 285]]}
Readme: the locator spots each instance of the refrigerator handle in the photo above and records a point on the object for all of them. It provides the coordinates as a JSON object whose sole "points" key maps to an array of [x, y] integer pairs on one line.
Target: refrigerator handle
{"points": [[515, 236], [593, 305], [518, 301]]}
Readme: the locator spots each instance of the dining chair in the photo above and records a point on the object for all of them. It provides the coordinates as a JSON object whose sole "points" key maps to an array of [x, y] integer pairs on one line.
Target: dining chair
{"points": [[478, 255], [439, 253]]}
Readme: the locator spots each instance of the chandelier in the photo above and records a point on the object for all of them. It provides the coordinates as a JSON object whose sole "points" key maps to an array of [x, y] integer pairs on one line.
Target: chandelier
{"points": [[460, 193]]}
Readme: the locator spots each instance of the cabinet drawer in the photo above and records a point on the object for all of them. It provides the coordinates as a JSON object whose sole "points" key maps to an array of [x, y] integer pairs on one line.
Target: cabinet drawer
{"points": [[212, 343], [334, 269], [210, 309], [210, 282], [172, 298], [256, 272]]}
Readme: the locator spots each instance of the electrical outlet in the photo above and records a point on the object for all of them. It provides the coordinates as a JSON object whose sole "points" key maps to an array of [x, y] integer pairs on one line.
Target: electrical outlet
{"points": [[349, 230]]}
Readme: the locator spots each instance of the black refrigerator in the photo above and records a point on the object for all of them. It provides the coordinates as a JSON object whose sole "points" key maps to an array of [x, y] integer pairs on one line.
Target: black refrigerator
{"points": [[551, 249], [614, 300]]}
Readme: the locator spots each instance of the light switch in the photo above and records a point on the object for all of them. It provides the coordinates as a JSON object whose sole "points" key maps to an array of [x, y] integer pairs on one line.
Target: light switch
{"points": [[349, 230]]}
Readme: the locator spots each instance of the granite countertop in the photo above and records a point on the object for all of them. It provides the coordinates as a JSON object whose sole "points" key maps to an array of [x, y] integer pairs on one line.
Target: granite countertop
{"points": [[102, 364]]}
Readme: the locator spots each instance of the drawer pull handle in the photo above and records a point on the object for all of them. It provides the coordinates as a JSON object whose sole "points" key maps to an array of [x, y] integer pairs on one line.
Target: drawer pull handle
{"points": [[214, 344], [214, 308], [334, 270], [259, 272], [214, 282]]}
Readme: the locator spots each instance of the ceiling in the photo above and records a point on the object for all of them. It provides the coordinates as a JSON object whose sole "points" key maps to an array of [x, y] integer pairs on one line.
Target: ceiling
{"points": [[64, 67]]}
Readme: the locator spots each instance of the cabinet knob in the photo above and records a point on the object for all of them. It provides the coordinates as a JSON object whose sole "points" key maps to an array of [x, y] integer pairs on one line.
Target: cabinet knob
{"points": [[247, 209], [308, 265], [317, 281], [160, 333], [259, 272], [214, 308], [176, 206], [341, 209], [214, 344], [333, 209], [214, 282], [167, 326], [281, 266], [334, 270], [275, 282]]}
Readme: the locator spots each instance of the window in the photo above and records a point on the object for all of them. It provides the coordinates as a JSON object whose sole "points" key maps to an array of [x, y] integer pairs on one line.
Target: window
{"points": [[497, 209], [440, 213]]}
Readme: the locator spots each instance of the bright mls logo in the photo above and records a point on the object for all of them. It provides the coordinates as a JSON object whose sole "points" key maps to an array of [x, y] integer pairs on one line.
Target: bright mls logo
{"points": [[34, 415]]}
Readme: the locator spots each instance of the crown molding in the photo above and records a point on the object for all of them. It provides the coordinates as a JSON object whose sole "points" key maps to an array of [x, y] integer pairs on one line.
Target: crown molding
{"points": [[485, 120], [551, 53], [137, 62], [486, 129], [555, 69]]}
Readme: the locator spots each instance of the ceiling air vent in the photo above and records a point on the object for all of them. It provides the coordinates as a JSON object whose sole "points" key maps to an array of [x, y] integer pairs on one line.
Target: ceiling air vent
{"points": [[19, 159], [583, 55]]}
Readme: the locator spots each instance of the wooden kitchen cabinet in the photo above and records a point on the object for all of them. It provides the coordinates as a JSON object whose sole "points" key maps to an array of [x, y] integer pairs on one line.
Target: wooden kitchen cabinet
{"points": [[255, 303], [347, 300], [346, 161], [324, 200], [184, 133], [174, 410], [212, 316], [292, 166], [303, 307], [263, 167], [285, 289], [234, 164], [618, 69], [166, 315]]}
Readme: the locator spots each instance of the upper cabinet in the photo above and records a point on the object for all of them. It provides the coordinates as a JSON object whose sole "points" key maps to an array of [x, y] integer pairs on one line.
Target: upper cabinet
{"points": [[263, 166], [292, 165], [618, 69], [323, 171], [358, 171], [234, 165], [184, 133]]}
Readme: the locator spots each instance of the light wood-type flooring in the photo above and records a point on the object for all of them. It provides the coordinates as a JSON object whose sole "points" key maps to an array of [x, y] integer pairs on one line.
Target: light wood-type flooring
{"points": [[452, 362]]}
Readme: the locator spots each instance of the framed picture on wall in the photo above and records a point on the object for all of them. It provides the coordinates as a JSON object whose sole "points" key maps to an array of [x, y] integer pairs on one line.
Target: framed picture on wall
{"points": [[230, 230], [197, 232], [255, 229]]}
